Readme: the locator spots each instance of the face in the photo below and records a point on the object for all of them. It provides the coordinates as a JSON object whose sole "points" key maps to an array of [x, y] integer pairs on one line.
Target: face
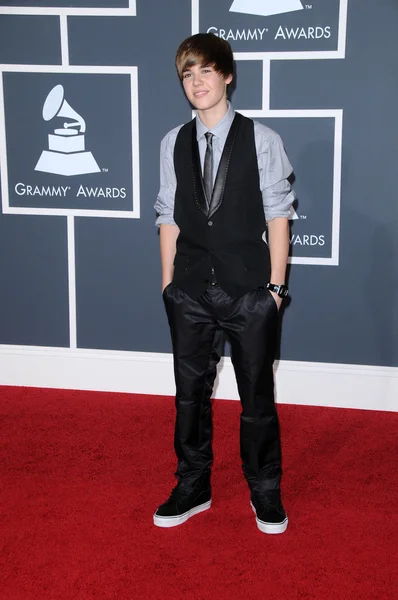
{"points": [[204, 87]]}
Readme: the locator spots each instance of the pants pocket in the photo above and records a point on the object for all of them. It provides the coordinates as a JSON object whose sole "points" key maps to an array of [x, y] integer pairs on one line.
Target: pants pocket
{"points": [[273, 300], [166, 289]]}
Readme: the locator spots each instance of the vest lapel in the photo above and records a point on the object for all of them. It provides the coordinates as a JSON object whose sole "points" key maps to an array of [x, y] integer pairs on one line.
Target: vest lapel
{"points": [[197, 179], [222, 172]]}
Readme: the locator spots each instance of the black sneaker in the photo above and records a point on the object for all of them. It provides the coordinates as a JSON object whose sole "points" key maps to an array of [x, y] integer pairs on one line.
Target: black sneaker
{"points": [[270, 514], [184, 502]]}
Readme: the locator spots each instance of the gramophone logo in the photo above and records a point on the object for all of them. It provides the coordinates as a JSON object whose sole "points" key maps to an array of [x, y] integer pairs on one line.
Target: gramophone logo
{"points": [[265, 8], [66, 154]]}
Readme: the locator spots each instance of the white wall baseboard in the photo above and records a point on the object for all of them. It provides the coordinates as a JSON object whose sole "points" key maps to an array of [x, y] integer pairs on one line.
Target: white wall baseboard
{"points": [[306, 383]]}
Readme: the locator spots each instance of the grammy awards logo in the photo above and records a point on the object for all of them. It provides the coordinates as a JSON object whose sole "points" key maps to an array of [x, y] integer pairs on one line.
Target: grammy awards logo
{"points": [[265, 8], [66, 154]]}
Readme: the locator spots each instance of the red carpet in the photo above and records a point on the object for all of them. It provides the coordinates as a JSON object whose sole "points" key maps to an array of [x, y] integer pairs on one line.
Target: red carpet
{"points": [[82, 472]]}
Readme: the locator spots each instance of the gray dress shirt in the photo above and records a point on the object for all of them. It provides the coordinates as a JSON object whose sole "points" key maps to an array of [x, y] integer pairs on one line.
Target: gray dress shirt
{"points": [[273, 166]]}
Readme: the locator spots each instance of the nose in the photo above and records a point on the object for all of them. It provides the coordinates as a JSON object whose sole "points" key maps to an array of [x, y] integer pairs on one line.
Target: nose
{"points": [[197, 79]]}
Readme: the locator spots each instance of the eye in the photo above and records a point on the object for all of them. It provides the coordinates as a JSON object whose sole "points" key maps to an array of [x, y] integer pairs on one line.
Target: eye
{"points": [[186, 75]]}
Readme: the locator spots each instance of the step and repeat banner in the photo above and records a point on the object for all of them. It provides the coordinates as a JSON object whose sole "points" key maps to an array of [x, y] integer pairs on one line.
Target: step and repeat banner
{"points": [[87, 91]]}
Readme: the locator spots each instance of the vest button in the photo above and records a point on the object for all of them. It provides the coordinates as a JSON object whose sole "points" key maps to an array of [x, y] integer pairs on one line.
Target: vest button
{"points": [[210, 223]]}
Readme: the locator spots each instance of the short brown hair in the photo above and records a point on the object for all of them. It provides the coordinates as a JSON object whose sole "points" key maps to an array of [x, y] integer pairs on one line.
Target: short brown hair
{"points": [[205, 49]]}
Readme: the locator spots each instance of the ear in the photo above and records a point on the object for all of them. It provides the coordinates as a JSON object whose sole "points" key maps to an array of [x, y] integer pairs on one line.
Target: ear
{"points": [[228, 79]]}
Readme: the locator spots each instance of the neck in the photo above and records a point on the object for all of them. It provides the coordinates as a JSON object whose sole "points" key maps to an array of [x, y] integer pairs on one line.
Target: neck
{"points": [[211, 116]]}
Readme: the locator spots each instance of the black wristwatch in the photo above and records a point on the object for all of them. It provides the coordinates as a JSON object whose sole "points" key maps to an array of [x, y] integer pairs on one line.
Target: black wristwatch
{"points": [[281, 290]]}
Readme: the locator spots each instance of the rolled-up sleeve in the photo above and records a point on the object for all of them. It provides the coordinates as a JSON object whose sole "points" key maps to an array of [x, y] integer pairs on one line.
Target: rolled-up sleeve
{"points": [[274, 170], [164, 205]]}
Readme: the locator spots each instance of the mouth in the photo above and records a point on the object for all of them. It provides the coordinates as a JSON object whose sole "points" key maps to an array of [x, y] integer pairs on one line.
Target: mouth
{"points": [[200, 94]]}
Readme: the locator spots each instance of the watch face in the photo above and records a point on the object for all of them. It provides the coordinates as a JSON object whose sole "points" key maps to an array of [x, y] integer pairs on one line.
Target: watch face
{"points": [[283, 291]]}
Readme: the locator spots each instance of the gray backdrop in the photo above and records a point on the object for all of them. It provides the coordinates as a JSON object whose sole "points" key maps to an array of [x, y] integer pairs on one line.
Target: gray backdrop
{"points": [[343, 313]]}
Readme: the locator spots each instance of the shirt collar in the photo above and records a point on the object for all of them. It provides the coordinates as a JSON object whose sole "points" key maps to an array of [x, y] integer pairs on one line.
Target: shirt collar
{"points": [[221, 129]]}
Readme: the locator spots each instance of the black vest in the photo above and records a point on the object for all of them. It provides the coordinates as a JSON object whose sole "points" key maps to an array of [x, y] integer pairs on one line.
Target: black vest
{"points": [[227, 235]]}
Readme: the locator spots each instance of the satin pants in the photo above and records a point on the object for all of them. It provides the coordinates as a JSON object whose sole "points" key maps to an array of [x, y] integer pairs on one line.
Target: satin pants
{"points": [[197, 328]]}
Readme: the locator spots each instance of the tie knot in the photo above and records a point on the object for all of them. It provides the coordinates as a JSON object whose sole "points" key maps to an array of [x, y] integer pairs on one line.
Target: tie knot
{"points": [[209, 138]]}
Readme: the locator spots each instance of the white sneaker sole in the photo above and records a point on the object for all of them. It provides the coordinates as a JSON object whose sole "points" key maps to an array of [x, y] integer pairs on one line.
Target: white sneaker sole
{"points": [[174, 521], [271, 528]]}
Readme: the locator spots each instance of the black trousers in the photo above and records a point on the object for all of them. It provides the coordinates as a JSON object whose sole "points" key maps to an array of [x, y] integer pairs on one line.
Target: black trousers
{"points": [[250, 323]]}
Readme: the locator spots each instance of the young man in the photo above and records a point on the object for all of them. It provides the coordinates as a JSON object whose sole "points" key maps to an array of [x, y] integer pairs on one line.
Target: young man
{"points": [[223, 179]]}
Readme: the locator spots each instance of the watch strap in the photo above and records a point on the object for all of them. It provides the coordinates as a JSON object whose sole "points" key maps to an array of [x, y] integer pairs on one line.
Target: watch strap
{"points": [[281, 290]]}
